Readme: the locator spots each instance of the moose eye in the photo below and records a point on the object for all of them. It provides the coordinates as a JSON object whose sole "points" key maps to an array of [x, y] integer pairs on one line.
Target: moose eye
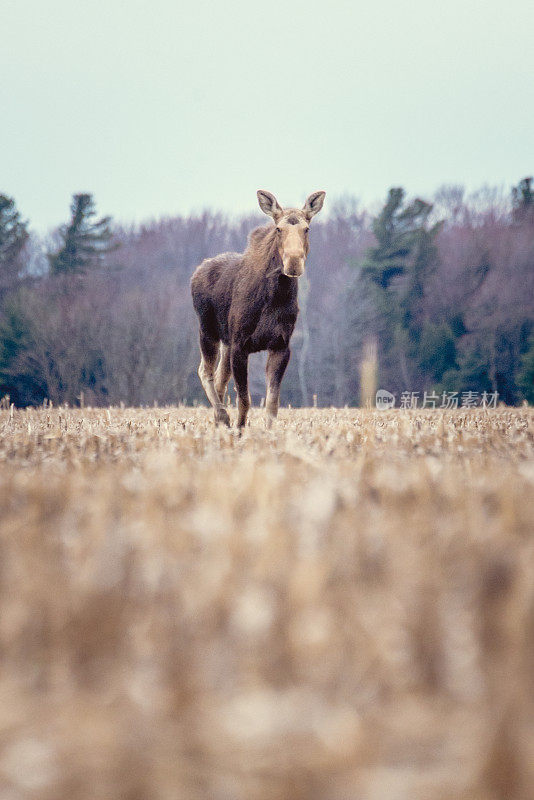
{"points": [[306, 230], [279, 230]]}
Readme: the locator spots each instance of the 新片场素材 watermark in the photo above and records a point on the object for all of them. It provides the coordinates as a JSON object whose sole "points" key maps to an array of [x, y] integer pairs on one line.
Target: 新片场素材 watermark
{"points": [[445, 400]]}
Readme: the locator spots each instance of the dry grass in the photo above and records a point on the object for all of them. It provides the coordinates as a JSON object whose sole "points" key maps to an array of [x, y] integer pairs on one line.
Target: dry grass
{"points": [[341, 608]]}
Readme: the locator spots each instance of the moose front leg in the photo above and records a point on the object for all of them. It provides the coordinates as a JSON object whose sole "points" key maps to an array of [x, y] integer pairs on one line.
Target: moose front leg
{"points": [[209, 350], [239, 360], [277, 362], [223, 372]]}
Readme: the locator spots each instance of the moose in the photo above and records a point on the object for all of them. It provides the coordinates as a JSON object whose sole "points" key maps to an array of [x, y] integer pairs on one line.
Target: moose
{"points": [[247, 302]]}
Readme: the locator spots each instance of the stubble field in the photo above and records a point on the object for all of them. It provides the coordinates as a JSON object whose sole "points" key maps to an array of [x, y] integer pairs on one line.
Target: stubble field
{"points": [[340, 608]]}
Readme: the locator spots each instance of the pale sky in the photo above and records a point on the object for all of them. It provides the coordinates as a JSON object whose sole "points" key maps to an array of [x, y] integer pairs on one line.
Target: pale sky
{"points": [[165, 107]]}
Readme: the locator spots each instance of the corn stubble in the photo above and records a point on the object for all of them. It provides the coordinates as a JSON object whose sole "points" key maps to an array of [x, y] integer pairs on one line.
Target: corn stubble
{"points": [[339, 608]]}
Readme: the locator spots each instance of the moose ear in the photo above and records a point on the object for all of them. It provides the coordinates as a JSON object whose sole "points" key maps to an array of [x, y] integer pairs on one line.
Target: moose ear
{"points": [[269, 204], [314, 203]]}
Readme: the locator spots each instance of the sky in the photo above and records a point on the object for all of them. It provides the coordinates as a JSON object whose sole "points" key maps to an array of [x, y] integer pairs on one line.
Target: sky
{"points": [[164, 107]]}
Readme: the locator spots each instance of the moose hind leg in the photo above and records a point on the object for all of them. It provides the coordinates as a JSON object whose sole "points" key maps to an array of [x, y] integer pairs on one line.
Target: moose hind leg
{"points": [[277, 362], [239, 361], [209, 350], [223, 372]]}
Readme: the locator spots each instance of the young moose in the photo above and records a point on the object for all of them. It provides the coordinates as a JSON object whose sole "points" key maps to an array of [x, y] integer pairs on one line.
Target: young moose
{"points": [[247, 302]]}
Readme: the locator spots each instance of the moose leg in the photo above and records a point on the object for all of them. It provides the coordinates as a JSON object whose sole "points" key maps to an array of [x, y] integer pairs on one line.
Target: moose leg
{"points": [[209, 350], [224, 370], [239, 361], [277, 361]]}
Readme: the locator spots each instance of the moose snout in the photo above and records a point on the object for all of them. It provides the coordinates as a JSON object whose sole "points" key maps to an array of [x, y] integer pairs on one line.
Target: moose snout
{"points": [[294, 266]]}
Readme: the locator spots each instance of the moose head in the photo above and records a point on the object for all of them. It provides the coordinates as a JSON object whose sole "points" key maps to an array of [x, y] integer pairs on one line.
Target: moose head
{"points": [[292, 228]]}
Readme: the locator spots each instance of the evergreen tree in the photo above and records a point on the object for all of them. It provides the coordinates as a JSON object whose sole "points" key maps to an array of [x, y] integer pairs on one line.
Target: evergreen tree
{"points": [[525, 377], [13, 238], [399, 267], [387, 259], [20, 377], [523, 201], [85, 241]]}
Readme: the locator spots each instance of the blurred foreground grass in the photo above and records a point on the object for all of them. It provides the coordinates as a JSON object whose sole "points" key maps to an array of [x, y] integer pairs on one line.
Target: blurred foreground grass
{"points": [[341, 608]]}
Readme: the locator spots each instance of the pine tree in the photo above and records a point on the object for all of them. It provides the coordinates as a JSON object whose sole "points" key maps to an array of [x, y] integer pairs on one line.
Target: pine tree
{"points": [[398, 267], [523, 201], [85, 241], [20, 377], [13, 238], [525, 377], [387, 260], [405, 244]]}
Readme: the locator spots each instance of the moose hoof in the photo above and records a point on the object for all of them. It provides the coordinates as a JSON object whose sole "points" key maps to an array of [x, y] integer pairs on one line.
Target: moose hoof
{"points": [[221, 415]]}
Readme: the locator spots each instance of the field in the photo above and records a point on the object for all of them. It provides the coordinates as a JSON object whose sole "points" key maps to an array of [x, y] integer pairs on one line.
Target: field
{"points": [[340, 608]]}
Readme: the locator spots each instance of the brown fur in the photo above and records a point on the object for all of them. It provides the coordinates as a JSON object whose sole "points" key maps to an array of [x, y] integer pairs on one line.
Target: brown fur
{"points": [[247, 302]]}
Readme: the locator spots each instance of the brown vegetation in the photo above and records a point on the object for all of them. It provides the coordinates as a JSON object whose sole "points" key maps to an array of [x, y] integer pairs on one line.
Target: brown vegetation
{"points": [[339, 608]]}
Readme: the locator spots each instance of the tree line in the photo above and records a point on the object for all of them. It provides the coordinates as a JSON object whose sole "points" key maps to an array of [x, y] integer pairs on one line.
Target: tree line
{"points": [[441, 291]]}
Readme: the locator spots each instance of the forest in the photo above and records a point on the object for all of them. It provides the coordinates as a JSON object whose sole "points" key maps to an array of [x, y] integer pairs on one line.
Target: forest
{"points": [[439, 291]]}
